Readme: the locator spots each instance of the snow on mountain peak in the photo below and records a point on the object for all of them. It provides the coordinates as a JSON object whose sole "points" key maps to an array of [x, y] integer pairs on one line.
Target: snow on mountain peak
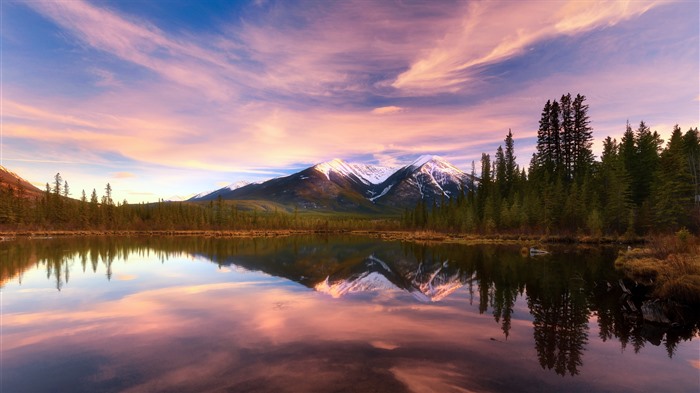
{"points": [[237, 185], [426, 158], [335, 165], [366, 282], [368, 174]]}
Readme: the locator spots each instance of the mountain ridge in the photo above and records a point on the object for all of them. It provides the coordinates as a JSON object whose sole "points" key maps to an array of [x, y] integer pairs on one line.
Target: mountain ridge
{"points": [[342, 186]]}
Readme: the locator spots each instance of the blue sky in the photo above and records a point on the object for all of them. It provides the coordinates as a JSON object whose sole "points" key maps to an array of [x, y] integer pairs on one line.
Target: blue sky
{"points": [[178, 97]]}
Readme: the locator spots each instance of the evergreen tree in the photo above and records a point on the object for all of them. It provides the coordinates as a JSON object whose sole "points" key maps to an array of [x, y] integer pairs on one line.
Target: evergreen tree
{"points": [[543, 159], [615, 198], [555, 135], [95, 217], [673, 192], [567, 137], [583, 138], [484, 185], [501, 182], [511, 172], [58, 183], [691, 144], [648, 145]]}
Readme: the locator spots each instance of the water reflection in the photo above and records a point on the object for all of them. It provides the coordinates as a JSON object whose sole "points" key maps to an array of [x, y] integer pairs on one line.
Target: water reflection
{"points": [[565, 294]]}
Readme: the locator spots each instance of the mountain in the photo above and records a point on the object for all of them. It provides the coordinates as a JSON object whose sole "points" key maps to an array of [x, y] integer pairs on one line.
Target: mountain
{"points": [[10, 180], [314, 188], [211, 195], [428, 283], [341, 186], [429, 178]]}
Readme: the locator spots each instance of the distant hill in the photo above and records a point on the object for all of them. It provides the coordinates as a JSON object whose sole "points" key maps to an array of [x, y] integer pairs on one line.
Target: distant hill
{"points": [[354, 187], [10, 180]]}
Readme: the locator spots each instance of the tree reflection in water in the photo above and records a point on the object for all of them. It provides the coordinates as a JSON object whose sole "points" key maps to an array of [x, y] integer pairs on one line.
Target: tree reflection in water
{"points": [[563, 290]]}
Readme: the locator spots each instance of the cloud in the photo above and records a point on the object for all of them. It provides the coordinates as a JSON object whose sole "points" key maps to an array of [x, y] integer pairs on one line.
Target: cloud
{"points": [[105, 78], [141, 43], [387, 110], [490, 32], [123, 175]]}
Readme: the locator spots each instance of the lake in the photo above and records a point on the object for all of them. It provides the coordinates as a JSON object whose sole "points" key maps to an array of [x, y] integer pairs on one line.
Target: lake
{"points": [[326, 314]]}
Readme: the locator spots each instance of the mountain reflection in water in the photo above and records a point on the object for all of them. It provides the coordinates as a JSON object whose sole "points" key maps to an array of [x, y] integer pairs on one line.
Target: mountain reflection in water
{"points": [[398, 317]]}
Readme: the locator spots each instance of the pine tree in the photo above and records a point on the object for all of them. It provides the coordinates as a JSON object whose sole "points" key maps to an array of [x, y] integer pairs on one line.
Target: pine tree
{"points": [[555, 135], [58, 183], [673, 192], [542, 160], [501, 182], [648, 145], [511, 171], [567, 137], [616, 197], [484, 185], [95, 217], [691, 144], [583, 138]]}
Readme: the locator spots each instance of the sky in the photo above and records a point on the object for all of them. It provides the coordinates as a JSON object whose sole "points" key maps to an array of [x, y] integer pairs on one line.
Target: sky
{"points": [[170, 98]]}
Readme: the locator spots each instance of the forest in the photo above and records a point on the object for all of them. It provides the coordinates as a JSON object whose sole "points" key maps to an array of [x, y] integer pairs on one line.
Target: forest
{"points": [[639, 186]]}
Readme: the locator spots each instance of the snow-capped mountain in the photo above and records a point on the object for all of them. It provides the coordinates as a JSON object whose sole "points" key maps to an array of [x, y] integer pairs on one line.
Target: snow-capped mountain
{"points": [[366, 282], [429, 178], [210, 195], [339, 185], [426, 283], [368, 174], [436, 283]]}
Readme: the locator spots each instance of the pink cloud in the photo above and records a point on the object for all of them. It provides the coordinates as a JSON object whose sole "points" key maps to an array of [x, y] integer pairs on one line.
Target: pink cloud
{"points": [[387, 110], [123, 175], [493, 31]]}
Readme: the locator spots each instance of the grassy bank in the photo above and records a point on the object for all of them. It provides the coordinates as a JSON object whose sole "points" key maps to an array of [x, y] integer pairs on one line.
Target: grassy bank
{"points": [[389, 235], [669, 266]]}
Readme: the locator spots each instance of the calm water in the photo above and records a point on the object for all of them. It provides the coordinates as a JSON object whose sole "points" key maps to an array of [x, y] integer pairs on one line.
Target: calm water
{"points": [[319, 314]]}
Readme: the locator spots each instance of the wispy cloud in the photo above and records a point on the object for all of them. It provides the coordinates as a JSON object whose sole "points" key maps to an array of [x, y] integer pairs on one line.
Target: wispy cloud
{"points": [[123, 175], [142, 43], [494, 31], [387, 110]]}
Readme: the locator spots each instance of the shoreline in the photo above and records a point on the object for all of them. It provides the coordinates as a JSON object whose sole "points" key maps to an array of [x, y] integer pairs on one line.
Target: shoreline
{"points": [[389, 235]]}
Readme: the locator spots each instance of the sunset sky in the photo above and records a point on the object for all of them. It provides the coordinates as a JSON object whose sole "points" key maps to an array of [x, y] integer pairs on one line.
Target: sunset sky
{"points": [[164, 98]]}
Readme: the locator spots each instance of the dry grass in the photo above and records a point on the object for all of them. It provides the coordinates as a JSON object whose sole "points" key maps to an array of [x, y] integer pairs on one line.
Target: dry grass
{"points": [[671, 265]]}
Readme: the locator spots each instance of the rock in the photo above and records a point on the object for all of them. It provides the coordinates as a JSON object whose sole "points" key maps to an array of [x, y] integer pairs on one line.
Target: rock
{"points": [[655, 311]]}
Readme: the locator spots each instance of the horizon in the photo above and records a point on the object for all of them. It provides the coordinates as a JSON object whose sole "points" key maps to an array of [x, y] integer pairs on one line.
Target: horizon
{"points": [[175, 98]]}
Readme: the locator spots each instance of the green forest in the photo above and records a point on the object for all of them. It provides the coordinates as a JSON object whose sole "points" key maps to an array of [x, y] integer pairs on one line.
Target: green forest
{"points": [[640, 185]]}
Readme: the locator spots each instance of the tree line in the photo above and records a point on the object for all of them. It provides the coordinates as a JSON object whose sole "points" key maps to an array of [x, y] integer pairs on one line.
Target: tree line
{"points": [[638, 186], [56, 210]]}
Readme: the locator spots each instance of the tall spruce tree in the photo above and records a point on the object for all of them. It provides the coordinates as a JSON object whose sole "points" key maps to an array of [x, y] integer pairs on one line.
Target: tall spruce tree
{"points": [[691, 144], [583, 157], [511, 172], [542, 160], [672, 189], [500, 173], [567, 137], [646, 160], [615, 195], [555, 139]]}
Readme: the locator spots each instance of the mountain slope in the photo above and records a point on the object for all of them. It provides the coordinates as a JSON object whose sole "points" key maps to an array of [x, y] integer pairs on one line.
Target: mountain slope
{"points": [[428, 283], [354, 187], [429, 178], [10, 180], [311, 189]]}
